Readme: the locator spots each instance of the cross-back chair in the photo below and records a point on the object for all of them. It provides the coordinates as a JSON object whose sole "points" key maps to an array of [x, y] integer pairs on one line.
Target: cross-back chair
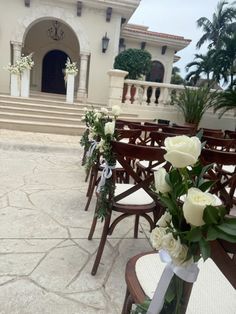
{"points": [[230, 134], [224, 178], [135, 288], [145, 139], [135, 198], [213, 132], [222, 144], [178, 130], [130, 136]]}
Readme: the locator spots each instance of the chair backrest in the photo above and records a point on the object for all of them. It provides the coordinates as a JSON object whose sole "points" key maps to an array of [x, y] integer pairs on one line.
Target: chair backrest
{"points": [[130, 135], [178, 130], [158, 138], [126, 123], [213, 133], [222, 144], [225, 181], [146, 129], [128, 152], [230, 134]]}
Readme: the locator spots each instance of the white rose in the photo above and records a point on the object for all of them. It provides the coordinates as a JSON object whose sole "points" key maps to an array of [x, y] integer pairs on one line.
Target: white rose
{"points": [[164, 220], [160, 181], [180, 259], [156, 237], [116, 110], [194, 206], [182, 151], [104, 110], [170, 244], [109, 128], [98, 115]]}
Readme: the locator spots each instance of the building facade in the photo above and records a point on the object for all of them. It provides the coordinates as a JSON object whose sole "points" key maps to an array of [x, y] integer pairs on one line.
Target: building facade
{"points": [[56, 29]]}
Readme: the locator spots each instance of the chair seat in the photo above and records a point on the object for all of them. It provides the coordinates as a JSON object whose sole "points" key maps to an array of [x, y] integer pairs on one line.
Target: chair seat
{"points": [[140, 197], [145, 164], [208, 296]]}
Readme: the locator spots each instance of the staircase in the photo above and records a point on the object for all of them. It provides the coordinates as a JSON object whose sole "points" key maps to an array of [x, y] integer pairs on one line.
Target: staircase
{"points": [[44, 113]]}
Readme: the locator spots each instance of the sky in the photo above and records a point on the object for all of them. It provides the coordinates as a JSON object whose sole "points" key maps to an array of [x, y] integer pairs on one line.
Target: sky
{"points": [[176, 17]]}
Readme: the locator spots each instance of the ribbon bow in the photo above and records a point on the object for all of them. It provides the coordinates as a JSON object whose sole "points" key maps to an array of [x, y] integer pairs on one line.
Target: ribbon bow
{"points": [[188, 273], [106, 174], [91, 148]]}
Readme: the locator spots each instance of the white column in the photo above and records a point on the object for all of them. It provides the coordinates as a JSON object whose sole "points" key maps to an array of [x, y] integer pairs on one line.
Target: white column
{"points": [[70, 83], [15, 85], [83, 69], [25, 83], [17, 46]]}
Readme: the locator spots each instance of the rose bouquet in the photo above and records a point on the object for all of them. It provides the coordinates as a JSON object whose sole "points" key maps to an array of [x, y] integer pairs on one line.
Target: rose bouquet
{"points": [[97, 143], [192, 219], [13, 69]]}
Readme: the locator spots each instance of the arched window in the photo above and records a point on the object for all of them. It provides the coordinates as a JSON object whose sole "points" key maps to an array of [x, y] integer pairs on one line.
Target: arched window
{"points": [[157, 72]]}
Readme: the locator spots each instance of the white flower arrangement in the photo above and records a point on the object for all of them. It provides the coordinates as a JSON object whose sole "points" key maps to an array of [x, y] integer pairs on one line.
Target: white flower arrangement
{"points": [[25, 62], [13, 69], [71, 67]]}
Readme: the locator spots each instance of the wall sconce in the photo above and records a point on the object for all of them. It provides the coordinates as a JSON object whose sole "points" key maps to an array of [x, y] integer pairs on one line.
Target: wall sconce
{"points": [[55, 32], [27, 3], [143, 45], [105, 42], [163, 50]]}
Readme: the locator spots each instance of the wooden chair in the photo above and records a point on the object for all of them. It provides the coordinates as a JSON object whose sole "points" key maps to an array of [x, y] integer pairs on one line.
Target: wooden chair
{"points": [[130, 199], [144, 167], [178, 130], [145, 139], [130, 136], [213, 133], [222, 144], [135, 293], [230, 134], [225, 178]]}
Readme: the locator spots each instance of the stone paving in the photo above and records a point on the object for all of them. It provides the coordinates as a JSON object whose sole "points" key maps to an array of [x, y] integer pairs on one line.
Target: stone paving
{"points": [[45, 257]]}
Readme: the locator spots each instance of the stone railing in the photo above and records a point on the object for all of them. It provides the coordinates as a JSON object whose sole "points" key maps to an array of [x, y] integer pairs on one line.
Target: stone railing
{"points": [[148, 93]]}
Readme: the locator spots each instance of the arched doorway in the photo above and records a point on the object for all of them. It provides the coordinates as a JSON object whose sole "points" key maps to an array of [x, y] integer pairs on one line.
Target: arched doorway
{"points": [[52, 72]]}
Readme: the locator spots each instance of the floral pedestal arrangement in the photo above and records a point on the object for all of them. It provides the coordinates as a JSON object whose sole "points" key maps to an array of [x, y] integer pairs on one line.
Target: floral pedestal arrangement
{"points": [[15, 85], [70, 83], [71, 71], [25, 83]]}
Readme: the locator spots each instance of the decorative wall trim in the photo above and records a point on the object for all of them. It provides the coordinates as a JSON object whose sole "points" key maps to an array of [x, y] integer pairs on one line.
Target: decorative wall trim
{"points": [[48, 12]]}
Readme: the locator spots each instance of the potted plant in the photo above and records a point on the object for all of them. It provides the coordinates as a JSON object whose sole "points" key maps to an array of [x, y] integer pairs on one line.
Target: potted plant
{"points": [[194, 102], [135, 61]]}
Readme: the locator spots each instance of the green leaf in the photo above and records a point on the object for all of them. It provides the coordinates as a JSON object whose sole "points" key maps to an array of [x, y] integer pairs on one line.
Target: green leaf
{"points": [[204, 249], [175, 177], [194, 235], [205, 169], [169, 203], [210, 215], [225, 236], [227, 228], [206, 185], [212, 234]]}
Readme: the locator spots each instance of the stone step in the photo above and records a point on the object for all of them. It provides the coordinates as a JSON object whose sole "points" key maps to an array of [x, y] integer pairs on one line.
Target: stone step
{"points": [[41, 110], [35, 126], [40, 118]]}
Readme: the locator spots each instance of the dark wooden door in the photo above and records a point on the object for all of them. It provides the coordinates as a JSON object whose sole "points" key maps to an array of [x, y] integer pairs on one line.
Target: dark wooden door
{"points": [[52, 75]]}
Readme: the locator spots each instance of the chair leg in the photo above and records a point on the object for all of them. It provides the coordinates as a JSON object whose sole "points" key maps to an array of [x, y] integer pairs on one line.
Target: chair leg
{"points": [[93, 226], [136, 226], [101, 244], [127, 303]]}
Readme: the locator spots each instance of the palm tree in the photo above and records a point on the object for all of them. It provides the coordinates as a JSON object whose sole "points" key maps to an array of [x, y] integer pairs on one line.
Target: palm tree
{"points": [[221, 25], [204, 64], [226, 102], [176, 77]]}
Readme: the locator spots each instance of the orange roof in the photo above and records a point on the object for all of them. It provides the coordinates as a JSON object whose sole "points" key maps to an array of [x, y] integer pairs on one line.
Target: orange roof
{"points": [[144, 30]]}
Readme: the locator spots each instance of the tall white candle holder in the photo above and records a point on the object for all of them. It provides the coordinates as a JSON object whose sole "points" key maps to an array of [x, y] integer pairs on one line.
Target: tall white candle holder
{"points": [[15, 85], [70, 83], [25, 83]]}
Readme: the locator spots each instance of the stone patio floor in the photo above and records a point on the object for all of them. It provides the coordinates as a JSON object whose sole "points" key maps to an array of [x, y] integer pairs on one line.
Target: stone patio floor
{"points": [[45, 257]]}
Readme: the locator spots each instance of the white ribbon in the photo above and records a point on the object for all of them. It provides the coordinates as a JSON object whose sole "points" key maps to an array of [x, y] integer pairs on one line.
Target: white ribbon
{"points": [[106, 174], [188, 273], [91, 148]]}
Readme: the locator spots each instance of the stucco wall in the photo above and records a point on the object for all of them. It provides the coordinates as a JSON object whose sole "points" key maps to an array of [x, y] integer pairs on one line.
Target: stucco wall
{"points": [[15, 19], [166, 59]]}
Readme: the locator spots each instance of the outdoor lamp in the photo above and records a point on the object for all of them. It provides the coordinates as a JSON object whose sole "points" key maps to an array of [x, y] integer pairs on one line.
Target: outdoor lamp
{"points": [[105, 42]]}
